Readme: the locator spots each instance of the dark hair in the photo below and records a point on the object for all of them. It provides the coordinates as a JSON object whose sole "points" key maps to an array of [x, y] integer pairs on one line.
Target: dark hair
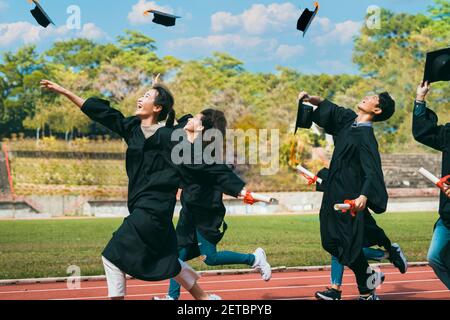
{"points": [[166, 101], [214, 119], [387, 106]]}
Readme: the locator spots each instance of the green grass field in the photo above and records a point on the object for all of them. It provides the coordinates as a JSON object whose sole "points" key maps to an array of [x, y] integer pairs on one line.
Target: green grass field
{"points": [[45, 248]]}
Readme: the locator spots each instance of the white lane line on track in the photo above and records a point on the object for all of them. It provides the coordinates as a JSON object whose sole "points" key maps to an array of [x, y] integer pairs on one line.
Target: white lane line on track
{"points": [[252, 289], [381, 294], [200, 282]]}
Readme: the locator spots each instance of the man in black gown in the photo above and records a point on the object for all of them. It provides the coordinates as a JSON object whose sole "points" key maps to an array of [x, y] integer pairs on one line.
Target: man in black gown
{"points": [[427, 131], [355, 174]]}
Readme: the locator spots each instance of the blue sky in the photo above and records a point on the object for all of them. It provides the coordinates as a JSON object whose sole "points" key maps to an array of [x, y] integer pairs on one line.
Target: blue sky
{"points": [[260, 33]]}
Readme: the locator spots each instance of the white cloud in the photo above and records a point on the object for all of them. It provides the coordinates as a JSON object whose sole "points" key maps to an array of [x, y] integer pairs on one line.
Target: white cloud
{"points": [[259, 19], [91, 31], [222, 21], [324, 23], [136, 16], [286, 52], [27, 33], [225, 42], [341, 33]]}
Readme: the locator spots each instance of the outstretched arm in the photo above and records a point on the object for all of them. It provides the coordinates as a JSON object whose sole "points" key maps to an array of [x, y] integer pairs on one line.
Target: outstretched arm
{"points": [[425, 122], [221, 176], [328, 115], [49, 85], [97, 109]]}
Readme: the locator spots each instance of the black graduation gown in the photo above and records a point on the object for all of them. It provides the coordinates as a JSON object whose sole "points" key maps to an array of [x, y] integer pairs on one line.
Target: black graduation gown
{"points": [[373, 234], [202, 204], [203, 186], [427, 131], [355, 170], [145, 245]]}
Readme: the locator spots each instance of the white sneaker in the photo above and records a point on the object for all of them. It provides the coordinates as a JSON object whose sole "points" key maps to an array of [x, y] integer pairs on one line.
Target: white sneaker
{"points": [[164, 298], [214, 297], [262, 265]]}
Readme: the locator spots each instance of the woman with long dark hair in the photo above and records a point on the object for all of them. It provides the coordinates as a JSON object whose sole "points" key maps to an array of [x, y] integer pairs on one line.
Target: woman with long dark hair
{"points": [[145, 245]]}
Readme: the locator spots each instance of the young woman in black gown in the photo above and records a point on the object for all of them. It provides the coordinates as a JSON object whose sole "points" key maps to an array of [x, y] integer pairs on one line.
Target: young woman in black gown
{"points": [[145, 245]]}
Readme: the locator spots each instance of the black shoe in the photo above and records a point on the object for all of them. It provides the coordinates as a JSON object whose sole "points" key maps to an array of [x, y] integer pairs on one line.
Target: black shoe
{"points": [[372, 296], [329, 294], [378, 280], [397, 258]]}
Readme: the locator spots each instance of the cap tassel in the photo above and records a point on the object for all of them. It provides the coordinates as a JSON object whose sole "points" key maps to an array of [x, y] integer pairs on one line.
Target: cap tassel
{"points": [[147, 12]]}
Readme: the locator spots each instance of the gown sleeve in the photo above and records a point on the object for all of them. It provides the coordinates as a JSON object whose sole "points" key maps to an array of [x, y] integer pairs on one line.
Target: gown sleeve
{"points": [[322, 174], [221, 176], [100, 111], [373, 186], [331, 117], [425, 128]]}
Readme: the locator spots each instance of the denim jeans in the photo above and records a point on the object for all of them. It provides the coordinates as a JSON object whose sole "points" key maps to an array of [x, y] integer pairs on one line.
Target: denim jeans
{"points": [[337, 269], [211, 258], [441, 238]]}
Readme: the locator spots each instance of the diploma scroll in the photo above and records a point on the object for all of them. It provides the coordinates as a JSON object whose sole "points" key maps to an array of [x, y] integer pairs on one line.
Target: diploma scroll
{"points": [[251, 198], [347, 206], [311, 177], [442, 184]]}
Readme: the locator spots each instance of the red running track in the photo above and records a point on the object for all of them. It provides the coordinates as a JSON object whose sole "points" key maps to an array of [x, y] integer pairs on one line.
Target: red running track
{"points": [[418, 283]]}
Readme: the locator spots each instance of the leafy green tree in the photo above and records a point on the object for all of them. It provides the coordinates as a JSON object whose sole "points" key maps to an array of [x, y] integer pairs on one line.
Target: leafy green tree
{"points": [[20, 73], [82, 54]]}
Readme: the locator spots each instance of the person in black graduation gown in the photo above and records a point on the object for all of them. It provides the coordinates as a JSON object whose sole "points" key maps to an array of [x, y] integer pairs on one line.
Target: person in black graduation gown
{"points": [[355, 174], [373, 236], [203, 212], [145, 245], [427, 131]]}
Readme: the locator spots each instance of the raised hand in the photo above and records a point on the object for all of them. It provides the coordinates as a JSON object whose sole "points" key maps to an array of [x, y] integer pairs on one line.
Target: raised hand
{"points": [[52, 86], [303, 96], [422, 91], [314, 100]]}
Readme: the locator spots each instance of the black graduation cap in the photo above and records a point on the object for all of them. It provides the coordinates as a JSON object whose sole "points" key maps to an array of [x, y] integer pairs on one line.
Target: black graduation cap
{"points": [[40, 15], [437, 67], [306, 18], [304, 116], [165, 19]]}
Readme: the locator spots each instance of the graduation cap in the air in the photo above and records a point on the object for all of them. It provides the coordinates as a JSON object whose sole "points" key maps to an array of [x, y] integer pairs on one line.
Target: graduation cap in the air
{"points": [[304, 116], [437, 67], [40, 15], [165, 19], [306, 18]]}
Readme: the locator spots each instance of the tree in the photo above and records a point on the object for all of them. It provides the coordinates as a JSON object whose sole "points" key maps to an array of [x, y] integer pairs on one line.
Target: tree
{"points": [[392, 59], [20, 74], [82, 54]]}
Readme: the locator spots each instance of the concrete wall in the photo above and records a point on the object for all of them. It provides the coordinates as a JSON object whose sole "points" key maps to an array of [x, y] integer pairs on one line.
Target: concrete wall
{"points": [[290, 202]]}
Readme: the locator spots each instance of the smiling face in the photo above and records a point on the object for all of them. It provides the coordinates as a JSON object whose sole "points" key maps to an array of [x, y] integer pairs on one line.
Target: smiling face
{"points": [[195, 124], [146, 105], [370, 105]]}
